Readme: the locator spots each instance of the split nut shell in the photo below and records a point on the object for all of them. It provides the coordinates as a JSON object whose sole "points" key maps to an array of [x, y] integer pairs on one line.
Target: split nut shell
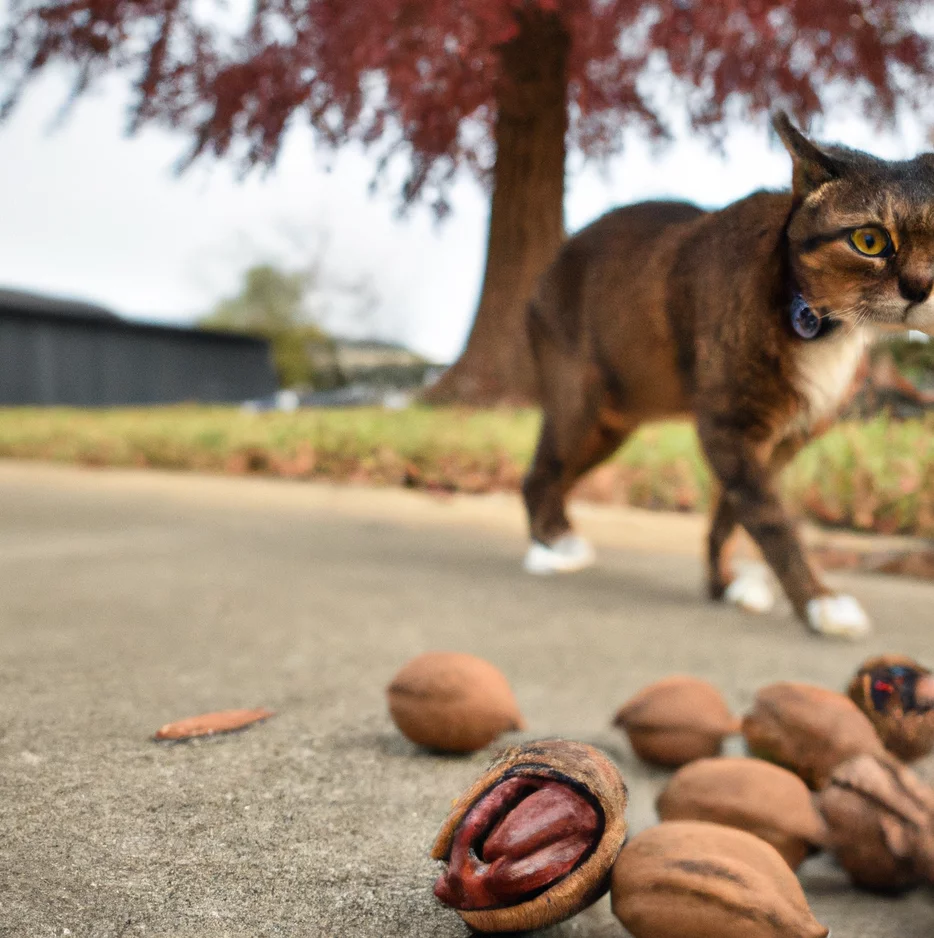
{"points": [[809, 730], [676, 720], [881, 820], [693, 879], [751, 795], [533, 840], [452, 702], [897, 694]]}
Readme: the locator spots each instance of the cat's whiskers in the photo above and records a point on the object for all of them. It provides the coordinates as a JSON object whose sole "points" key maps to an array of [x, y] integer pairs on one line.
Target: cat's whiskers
{"points": [[862, 319], [852, 317]]}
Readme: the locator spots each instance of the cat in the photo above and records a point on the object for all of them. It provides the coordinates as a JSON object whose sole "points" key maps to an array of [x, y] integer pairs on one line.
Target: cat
{"points": [[752, 319]]}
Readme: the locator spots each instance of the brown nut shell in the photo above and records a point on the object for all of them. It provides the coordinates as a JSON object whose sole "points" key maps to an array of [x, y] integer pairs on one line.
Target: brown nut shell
{"points": [[897, 694], [452, 702], [751, 795], [881, 820], [809, 730], [676, 720], [694, 879], [581, 772]]}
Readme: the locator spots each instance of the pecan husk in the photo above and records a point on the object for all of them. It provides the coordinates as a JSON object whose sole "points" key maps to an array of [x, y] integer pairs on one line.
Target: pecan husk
{"points": [[897, 694], [533, 840], [881, 821]]}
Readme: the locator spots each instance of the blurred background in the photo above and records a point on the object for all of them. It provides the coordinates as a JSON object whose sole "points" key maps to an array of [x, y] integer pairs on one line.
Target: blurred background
{"points": [[330, 217]]}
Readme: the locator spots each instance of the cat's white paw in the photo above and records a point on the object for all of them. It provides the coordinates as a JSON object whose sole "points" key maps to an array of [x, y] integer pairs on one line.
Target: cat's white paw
{"points": [[752, 589], [568, 553], [838, 617]]}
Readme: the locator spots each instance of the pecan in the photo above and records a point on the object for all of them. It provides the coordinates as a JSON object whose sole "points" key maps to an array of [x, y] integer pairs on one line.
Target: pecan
{"points": [[523, 835], [693, 879], [533, 840], [752, 795], [897, 694], [452, 702], [676, 720], [808, 729]]}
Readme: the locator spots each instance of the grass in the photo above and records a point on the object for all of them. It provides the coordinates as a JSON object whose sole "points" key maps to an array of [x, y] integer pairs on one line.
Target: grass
{"points": [[877, 475]]}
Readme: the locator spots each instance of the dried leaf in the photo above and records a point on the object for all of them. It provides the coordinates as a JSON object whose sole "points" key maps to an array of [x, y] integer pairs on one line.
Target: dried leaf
{"points": [[207, 724]]}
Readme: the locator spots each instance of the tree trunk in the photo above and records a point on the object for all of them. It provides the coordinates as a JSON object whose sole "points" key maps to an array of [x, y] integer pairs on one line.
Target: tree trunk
{"points": [[526, 216]]}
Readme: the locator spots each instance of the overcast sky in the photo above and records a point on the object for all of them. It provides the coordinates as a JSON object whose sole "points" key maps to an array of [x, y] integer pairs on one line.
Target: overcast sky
{"points": [[88, 213]]}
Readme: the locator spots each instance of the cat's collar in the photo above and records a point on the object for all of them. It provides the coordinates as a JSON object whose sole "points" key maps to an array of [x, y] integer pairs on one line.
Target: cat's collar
{"points": [[806, 323]]}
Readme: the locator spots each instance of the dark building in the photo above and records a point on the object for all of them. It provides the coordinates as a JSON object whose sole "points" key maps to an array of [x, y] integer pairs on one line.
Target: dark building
{"points": [[68, 353]]}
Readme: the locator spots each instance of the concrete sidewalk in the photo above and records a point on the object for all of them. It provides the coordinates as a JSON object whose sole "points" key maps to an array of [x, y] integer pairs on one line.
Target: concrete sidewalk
{"points": [[131, 599]]}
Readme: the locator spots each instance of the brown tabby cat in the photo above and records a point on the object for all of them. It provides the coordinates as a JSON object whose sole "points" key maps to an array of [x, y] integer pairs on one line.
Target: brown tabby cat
{"points": [[754, 319]]}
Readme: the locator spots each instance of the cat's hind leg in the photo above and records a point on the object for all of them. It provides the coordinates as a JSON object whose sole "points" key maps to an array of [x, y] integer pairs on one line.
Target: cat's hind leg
{"points": [[555, 548], [577, 433]]}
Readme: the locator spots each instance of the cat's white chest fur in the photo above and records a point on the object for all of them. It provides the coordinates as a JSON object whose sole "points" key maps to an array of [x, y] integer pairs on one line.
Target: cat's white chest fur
{"points": [[825, 372]]}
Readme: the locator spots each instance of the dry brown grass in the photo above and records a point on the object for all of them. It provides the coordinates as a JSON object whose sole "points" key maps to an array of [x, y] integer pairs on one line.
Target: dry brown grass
{"points": [[876, 476]]}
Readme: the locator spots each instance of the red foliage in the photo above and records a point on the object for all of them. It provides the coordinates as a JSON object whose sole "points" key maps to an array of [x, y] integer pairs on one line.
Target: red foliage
{"points": [[418, 76]]}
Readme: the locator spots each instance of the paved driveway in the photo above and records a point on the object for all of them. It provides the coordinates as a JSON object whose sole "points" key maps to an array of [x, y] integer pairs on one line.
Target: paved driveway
{"points": [[130, 599]]}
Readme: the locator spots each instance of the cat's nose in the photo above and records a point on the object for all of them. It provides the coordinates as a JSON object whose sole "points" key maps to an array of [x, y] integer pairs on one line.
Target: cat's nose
{"points": [[915, 289]]}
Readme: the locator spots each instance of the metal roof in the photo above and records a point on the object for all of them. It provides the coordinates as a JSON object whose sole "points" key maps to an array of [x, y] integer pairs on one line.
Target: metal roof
{"points": [[23, 301], [32, 306]]}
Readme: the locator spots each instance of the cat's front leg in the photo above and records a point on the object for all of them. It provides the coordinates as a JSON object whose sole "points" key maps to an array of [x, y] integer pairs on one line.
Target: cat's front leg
{"points": [[749, 493]]}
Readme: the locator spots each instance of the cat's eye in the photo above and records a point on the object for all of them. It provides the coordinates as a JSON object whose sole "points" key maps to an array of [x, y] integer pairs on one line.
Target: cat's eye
{"points": [[873, 242]]}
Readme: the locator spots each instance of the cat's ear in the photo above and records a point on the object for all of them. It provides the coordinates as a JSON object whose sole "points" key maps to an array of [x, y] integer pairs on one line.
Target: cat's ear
{"points": [[812, 166]]}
